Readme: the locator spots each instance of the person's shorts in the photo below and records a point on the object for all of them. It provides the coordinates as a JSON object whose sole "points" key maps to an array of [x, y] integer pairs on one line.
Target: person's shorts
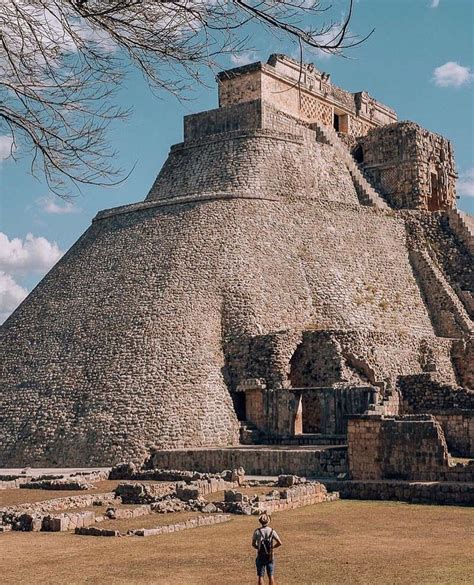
{"points": [[262, 565]]}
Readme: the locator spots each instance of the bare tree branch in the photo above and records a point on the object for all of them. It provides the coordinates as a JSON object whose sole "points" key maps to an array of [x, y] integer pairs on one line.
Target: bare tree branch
{"points": [[61, 62]]}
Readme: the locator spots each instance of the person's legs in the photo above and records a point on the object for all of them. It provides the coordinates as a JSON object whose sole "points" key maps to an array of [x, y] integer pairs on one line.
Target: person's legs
{"points": [[260, 572], [270, 571]]}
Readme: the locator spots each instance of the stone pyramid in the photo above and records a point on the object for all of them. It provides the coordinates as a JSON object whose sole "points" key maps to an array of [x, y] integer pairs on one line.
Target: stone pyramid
{"points": [[293, 240]]}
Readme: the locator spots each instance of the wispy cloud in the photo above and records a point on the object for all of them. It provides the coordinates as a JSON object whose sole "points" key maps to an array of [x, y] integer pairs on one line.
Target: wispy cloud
{"points": [[6, 147], [11, 295], [53, 205], [451, 74], [29, 254], [434, 3], [244, 58], [465, 184]]}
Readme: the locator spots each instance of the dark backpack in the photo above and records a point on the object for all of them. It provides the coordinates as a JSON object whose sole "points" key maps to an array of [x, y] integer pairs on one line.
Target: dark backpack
{"points": [[265, 549]]}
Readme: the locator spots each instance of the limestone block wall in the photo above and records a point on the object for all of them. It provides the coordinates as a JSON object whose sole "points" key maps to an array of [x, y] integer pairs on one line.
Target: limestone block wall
{"points": [[324, 410], [452, 406], [241, 116], [235, 88], [463, 361], [263, 461], [408, 448], [425, 393], [251, 115], [449, 317], [415, 492], [458, 427]]}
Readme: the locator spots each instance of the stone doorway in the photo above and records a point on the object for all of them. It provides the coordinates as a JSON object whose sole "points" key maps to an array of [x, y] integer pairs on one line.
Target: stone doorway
{"points": [[323, 411], [435, 199], [238, 399], [341, 123]]}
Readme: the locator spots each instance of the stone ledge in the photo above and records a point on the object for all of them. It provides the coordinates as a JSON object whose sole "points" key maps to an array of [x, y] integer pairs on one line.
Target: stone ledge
{"points": [[180, 526], [165, 529], [414, 492], [94, 531], [237, 135], [191, 198]]}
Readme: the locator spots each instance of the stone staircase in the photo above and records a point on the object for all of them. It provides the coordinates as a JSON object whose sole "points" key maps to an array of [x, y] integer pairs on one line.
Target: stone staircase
{"points": [[366, 193], [388, 406], [249, 433], [462, 228]]}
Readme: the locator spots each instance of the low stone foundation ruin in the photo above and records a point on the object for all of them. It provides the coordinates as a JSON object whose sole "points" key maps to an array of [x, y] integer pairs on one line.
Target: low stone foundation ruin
{"points": [[159, 530], [164, 497]]}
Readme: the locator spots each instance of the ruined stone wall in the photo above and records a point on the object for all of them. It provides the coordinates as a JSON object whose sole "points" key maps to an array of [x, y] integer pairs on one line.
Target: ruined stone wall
{"points": [[407, 448], [349, 359], [415, 492], [424, 393], [412, 167], [358, 357], [237, 89], [452, 406], [263, 461], [458, 428]]}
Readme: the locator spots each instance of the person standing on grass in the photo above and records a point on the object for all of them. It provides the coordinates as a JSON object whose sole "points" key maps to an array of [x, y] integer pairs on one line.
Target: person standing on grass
{"points": [[265, 540]]}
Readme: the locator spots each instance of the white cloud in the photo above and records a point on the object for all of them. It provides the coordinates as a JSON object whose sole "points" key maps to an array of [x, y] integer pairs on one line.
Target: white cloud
{"points": [[54, 205], [6, 147], [465, 184], [35, 254], [434, 3], [244, 58], [11, 295], [451, 74]]}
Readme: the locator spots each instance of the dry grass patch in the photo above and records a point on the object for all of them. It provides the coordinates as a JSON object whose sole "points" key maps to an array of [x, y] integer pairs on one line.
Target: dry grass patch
{"points": [[340, 543], [149, 521], [15, 497]]}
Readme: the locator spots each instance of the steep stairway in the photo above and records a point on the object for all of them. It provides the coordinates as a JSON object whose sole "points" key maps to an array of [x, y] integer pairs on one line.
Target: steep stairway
{"points": [[367, 194], [462, 228], [249, 433], [388, 406]]}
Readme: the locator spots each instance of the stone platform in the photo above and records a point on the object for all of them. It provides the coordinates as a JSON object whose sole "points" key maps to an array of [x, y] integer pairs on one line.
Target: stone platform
{"points": [[308, 461]]}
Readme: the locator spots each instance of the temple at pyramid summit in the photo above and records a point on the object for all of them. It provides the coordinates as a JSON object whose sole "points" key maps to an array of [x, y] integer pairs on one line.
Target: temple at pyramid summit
{"points": [[298, 275]]}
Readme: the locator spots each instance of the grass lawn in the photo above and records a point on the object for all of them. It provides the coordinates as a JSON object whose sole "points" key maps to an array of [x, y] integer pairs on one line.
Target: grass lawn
{"points": [[339, 543], [14, 497]]}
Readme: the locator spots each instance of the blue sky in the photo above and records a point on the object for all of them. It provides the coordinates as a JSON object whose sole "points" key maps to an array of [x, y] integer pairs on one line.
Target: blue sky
{"points": [[419, 61]]}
